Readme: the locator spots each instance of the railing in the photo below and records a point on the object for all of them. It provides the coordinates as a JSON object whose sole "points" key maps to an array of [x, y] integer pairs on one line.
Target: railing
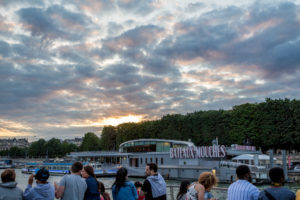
{"points": [[172, 190]]}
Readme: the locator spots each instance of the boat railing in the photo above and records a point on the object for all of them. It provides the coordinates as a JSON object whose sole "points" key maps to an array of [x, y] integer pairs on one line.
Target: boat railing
{"points": [[236, 164], [172, 191]]}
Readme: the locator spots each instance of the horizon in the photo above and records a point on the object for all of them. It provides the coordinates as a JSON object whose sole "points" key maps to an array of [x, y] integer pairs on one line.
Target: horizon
{"points": [[71, 67]]}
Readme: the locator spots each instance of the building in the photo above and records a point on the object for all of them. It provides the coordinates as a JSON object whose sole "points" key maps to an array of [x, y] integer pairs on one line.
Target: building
{"points": [[76, 141], [6, 144]]}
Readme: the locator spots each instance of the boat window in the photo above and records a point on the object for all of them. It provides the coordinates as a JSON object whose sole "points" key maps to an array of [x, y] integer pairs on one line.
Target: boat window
{"points": [[161, 161], [141, 160], [146, 160], [156, 160], [151, 160]]}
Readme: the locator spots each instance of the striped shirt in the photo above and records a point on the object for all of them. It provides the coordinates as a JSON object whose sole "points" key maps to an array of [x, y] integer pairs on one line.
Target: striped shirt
{"points": [[242, 190]]}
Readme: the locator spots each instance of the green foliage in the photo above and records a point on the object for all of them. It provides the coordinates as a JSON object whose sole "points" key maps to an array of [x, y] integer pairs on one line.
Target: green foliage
{"points": [[91, 142], [108, 138], [271, 124], [41, 149]]}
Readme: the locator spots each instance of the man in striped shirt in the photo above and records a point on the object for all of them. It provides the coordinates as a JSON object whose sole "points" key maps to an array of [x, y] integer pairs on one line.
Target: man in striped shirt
{"points": [[242, 189]]}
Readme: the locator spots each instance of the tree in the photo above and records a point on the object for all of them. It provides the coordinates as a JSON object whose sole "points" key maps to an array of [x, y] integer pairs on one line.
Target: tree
{"points": [[108, 138], [90, 142], [38, 148]]}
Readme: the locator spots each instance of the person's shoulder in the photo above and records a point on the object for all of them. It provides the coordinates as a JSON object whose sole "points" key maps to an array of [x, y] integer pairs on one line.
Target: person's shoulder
{"points": [[287, 191], [129, 183]]}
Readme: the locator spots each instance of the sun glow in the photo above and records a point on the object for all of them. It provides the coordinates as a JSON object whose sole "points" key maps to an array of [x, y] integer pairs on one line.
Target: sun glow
{"points": [[114, 121]]}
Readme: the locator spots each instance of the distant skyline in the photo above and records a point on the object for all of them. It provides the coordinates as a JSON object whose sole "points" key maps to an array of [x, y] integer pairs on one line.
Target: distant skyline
{"points": [[68, 67]]}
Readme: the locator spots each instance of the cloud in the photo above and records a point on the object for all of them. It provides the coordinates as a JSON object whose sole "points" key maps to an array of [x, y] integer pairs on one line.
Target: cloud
{"points": [[54, 23], [66, 66], [136, 6]]}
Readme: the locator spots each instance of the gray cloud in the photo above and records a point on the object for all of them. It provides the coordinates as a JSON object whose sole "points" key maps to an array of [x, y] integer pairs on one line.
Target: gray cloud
{"points": [[77, 66], [136, 6], [54, 23]]}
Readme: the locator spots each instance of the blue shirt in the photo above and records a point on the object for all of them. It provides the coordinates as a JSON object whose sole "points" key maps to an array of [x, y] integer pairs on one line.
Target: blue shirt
{"points": [[278, 193], [91, 192], [242, 190], [126, 192], [40, 192]]}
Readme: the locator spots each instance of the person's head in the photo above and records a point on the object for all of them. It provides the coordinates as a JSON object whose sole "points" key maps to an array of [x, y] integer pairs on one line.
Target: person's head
{"points": [[76, 167], [151, 168], [243, 172], [276, 175], [87, 171], [8, 175], [208, 180], [183, 188], [120, 177], [101, 187], [42, 175], [138, 184]]}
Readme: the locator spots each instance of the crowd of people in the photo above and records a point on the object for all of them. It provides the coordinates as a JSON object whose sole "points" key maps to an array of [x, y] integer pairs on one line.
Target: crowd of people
{"points": [[82, 184]]}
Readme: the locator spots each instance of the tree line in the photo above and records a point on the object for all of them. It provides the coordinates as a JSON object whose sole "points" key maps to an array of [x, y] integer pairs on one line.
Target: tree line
{"points": [[273, 124], [53, 148]]}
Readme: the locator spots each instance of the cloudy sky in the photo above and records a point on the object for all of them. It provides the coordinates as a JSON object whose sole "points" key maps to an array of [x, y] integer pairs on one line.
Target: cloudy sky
{"points": [[71, 66]]}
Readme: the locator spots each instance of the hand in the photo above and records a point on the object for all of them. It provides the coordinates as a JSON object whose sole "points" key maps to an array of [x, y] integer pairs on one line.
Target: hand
{"points": [[55, 186], [30, 179]]}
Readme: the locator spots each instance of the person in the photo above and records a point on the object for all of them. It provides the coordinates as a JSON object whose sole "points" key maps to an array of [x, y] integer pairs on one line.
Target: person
{"points": [[298, 195], [138, 186], [71, 186], [154, 186], [183, 190], [243, 189], [103, 195], [201, 189], [43, 189], [8, 187], [276, 191], [122, 189], [92, 192]]}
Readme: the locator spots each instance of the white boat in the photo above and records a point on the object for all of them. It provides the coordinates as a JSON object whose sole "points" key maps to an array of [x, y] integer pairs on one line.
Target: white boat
{"points": [[62, 168]]}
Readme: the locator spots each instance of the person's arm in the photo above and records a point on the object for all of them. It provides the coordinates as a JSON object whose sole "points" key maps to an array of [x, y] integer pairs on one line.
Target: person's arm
{"points": [[134, 192], [60, 188], [200, 191], [145, 188], [298, 195], [113, 192], [27, 191], [255, 193]]}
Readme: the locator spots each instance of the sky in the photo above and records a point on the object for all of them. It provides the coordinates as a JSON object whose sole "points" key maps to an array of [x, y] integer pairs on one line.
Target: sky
{"points": [[68, 67]]}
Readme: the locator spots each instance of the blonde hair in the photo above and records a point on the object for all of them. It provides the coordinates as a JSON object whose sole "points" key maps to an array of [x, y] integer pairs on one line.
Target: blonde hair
{"points": [[208, 180]]}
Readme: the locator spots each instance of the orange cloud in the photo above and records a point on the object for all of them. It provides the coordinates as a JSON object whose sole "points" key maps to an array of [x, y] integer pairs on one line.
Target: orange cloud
{"points": [[14, 129]]}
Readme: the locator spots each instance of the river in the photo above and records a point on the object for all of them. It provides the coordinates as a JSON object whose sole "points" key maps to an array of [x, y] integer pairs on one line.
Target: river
{"points": [[219, 194]]}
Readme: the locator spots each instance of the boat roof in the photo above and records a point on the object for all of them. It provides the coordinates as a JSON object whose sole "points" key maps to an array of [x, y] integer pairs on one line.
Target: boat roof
{"points": [[190, 144], [251, 157]]}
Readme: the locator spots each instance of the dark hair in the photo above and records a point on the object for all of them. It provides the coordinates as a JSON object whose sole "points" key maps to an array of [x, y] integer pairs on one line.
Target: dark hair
{"points": [[120, 178], [101, 187], [241, 171], [8, 175], [76, 167], [276, 175], [42, 175], [89, 170], [152, 166], [138, 184], [183, 188]]}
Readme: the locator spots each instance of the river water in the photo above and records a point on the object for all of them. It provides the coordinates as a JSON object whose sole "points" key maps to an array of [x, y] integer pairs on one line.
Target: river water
{"points": [[22, 180]]}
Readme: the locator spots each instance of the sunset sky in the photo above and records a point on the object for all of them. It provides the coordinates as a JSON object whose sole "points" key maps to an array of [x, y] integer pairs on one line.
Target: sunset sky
{"points": [[72, 66]]}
